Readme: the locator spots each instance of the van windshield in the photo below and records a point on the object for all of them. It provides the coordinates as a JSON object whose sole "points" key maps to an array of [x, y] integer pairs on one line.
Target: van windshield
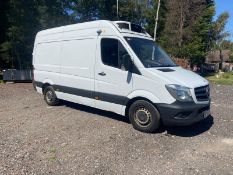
{"points": [[149, 53]]}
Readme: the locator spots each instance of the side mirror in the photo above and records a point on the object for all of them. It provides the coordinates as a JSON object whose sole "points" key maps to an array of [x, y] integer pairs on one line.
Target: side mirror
{"points": [[127, 62]]}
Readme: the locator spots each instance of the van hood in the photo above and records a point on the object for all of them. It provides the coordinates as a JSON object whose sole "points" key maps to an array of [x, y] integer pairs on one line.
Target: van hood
{"points": [[180, 76]]}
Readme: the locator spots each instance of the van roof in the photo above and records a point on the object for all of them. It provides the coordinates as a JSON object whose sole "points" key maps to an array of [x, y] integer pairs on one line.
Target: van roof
{"points": [[93, 24]]}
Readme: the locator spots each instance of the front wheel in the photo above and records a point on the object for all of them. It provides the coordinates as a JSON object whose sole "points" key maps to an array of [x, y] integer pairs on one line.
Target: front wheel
{"points": [[50, 96], [144, 116]]}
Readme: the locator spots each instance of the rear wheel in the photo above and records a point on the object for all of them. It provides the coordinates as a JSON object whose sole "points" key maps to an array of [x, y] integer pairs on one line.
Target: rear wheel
{"points": [[50, 96], [144, 116]]}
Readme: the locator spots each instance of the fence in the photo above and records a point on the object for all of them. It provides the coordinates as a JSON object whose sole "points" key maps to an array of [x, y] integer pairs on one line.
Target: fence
{"points": [[17, 75]]}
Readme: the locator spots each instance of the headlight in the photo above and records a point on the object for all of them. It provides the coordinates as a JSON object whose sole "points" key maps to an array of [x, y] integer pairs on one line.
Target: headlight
{"points": [[180, 93]]}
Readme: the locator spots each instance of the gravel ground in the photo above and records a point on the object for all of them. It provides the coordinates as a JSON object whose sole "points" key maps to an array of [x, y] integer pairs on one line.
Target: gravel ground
{"points": [[74, 139]]}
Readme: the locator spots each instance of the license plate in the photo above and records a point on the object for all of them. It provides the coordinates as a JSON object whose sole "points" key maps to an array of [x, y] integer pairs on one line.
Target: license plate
{"points": [[206, 113]]}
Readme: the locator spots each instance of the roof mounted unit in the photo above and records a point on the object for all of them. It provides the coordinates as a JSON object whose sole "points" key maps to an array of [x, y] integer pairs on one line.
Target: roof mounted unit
{"points": [[124, 25]]}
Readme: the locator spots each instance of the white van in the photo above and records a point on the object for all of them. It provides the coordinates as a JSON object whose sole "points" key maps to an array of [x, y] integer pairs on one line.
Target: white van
{"points": [[116, 66]]}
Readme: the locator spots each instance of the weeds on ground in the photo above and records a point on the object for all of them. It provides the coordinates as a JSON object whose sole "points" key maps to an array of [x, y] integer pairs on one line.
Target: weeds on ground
{"points": [[221, 78], [52, 157], [52, 150]]}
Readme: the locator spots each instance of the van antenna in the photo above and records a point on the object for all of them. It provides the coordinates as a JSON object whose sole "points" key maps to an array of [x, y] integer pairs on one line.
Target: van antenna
{"points": [[117, 10]]}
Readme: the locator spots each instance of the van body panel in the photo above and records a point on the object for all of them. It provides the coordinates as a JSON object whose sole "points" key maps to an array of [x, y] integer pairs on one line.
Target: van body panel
{"points": [[154, 85], [181, 114], [43, 52], [70, 59], [144, 94], [112, 88], [45, 77], [181, 76], [75, 98], [77, 70]]}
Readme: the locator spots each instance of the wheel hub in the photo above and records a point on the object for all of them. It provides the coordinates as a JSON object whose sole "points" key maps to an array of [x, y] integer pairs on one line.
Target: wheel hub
{"points": [[143, 117], [49, 96]]}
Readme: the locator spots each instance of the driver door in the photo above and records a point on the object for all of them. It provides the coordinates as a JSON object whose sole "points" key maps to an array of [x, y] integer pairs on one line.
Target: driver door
{"points": [[113, 82]]}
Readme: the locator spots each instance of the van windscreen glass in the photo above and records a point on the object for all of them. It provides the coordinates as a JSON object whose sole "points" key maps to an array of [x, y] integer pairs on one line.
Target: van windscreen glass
{"points": [[149, 53]]}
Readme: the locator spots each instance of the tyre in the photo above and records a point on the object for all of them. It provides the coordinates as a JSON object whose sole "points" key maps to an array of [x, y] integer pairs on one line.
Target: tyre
{"points": [[144, 116], [50, 96]]}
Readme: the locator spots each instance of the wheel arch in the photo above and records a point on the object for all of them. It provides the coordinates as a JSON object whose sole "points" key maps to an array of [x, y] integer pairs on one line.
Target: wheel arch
{"points": [[131, 101], [44, 86], [140, 95], [46, 83]]}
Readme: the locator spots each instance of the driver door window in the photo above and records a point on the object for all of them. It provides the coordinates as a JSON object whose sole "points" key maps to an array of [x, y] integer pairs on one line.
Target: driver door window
{"points": [[113, 53]]}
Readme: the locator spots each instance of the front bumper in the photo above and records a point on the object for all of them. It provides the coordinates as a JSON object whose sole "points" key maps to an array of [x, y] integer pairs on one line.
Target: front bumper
{"points": [[181, 113]]}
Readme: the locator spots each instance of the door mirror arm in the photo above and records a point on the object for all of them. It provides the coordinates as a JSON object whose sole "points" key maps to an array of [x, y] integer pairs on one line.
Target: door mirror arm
{"points": [[127, 62]]}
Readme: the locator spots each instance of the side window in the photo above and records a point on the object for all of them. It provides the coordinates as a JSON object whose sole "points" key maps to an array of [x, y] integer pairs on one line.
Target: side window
{"points": [[109, 52], [113, 53]]}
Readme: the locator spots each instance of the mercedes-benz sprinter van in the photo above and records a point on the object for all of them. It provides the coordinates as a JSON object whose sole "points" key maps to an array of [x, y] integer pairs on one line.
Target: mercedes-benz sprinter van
{"points": [[116, 66]]}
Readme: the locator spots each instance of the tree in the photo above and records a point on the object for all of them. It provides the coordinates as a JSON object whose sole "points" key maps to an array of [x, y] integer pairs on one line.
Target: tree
{"points": [[22, 20], [197, 44], [89, 10], [219, 34], [21, 26], [187, 27], [4, 46], [53, 13], [151, 14]]}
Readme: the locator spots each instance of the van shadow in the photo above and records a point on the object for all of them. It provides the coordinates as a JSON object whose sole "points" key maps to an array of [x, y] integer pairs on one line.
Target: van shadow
{"points": [[189, 131], [181, 131], [100, 112]]}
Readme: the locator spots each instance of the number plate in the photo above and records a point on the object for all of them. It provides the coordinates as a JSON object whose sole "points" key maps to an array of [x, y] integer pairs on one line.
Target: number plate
{"points": [[206, 113]]}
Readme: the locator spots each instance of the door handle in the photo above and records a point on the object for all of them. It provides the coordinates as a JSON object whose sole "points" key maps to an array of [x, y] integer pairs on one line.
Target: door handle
{"points": [[102, 73]]}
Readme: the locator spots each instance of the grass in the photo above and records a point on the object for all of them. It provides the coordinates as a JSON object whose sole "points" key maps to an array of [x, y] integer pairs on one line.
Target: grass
{"points": [[222, 78], [52, 157], [52, 150]]}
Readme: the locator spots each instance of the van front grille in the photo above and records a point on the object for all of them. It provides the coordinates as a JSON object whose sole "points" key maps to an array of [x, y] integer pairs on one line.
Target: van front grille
{"points": [[202, 93]]}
